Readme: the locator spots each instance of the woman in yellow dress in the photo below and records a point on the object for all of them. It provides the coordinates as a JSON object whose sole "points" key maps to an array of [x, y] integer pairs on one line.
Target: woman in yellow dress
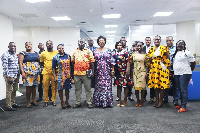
{"points": [[138, 58], [159, 70]]}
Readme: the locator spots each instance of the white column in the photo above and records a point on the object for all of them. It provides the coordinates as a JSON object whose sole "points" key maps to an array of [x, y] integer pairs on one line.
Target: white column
{"points": [[6, 34]]}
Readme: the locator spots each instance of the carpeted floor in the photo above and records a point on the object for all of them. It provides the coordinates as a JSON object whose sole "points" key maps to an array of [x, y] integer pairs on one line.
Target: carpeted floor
{"points": [[129, 119]]}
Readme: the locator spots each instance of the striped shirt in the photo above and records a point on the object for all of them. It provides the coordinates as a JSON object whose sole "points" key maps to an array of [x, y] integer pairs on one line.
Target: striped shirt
{"points": [[10, 64]]}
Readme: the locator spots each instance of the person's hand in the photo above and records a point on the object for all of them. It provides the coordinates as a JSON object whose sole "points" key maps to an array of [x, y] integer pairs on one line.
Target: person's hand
{"points": [[91, 75], [127, 73], [10, 80], [112, 73], [23, 75], [55, 80], [147, 77]]}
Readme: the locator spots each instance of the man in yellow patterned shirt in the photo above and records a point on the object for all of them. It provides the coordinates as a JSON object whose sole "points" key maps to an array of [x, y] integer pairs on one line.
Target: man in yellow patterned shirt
{"points": [[82, 58], [46, 58]]}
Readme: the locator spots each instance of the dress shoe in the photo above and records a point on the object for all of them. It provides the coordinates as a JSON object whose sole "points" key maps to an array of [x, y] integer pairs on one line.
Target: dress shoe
{"points": [[77, 106], [165, 101], [16, 106], [11, 109], [34, 104], [38, 100], [90, 106], [53, 103]]}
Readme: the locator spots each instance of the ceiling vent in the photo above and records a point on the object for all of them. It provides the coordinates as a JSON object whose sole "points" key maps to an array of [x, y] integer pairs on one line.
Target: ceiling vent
{"points": [[193, 9], [89, 31], [82, 23], [28, 15], [139, 20]]}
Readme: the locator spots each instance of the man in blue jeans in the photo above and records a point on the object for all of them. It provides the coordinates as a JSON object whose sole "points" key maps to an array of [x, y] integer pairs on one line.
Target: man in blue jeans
{"points": [[172, 49]]}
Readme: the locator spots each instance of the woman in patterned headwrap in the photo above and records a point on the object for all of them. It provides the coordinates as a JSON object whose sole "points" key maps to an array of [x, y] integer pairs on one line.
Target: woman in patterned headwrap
{"points": [[159, 70]]}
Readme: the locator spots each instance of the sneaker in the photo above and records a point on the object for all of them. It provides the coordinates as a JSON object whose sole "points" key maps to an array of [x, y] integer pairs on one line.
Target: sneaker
{"points": [[11, 109], [182, 110], [178, 106], [117, 99], [90, 106], [77, 106]]}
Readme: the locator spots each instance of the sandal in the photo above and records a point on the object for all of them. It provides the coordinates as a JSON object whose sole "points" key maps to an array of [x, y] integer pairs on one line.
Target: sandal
{"points": [[119, 104], [34, 104], [68, 105], [45, 104], [124, 104], [159, 105], [182, 110], [53, 103]]}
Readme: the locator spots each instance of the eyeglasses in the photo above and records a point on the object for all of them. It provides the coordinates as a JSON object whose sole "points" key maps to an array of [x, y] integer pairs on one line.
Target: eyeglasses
{"points": [[50, 43], [123, 40], [157, 39]]}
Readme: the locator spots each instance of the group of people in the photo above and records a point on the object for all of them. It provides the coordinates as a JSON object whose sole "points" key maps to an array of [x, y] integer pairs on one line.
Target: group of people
{"points": [[151, 66]]}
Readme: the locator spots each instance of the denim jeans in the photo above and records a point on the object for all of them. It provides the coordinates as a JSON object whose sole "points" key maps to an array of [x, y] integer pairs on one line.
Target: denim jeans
{"points": [[181, 82]]}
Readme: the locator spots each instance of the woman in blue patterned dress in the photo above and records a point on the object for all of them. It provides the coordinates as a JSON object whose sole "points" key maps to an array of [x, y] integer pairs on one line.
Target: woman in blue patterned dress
{"points": [[103, 81], [61, 73], [122, 67], [30, 68]]}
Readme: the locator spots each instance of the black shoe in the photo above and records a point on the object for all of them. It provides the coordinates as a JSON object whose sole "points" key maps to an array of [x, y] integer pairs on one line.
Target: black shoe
{"points": [[34, 104], [38, 100], [77, 106], [53, 103], [165, 101], [11, 109], [16, 106], [117, 99], [131, 99]]}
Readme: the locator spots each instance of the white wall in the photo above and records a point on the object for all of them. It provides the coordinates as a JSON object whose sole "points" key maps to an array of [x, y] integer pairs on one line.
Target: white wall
{"points": [[21, 36], [67, 36], [6, 34], [186, 32]]}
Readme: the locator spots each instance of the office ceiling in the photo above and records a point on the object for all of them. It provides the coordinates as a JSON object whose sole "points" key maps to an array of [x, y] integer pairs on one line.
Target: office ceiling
{"points": [[87, 14]]}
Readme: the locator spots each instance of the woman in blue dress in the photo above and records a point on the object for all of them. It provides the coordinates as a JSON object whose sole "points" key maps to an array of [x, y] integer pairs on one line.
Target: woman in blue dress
{"points": [[30, 68], [61, 73]]}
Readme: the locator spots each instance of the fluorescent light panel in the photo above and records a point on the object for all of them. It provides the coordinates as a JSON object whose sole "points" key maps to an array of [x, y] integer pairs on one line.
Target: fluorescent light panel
{"points": [[110, 31], [110, 38], [111, 26], [162, 14], [35, 1], [111, 35], [111, 16], [61, 18]]}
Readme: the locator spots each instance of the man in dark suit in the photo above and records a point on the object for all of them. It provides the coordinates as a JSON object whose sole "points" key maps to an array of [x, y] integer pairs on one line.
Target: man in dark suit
{"points": [[146, 50]]}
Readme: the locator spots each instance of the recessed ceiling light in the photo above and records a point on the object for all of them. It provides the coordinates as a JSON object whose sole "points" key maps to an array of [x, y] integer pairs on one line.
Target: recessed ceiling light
{"points": [[111, 35], [110, 31], [111, 16], [61, 18], [110, 26], [162, 14], [35, 1]]}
